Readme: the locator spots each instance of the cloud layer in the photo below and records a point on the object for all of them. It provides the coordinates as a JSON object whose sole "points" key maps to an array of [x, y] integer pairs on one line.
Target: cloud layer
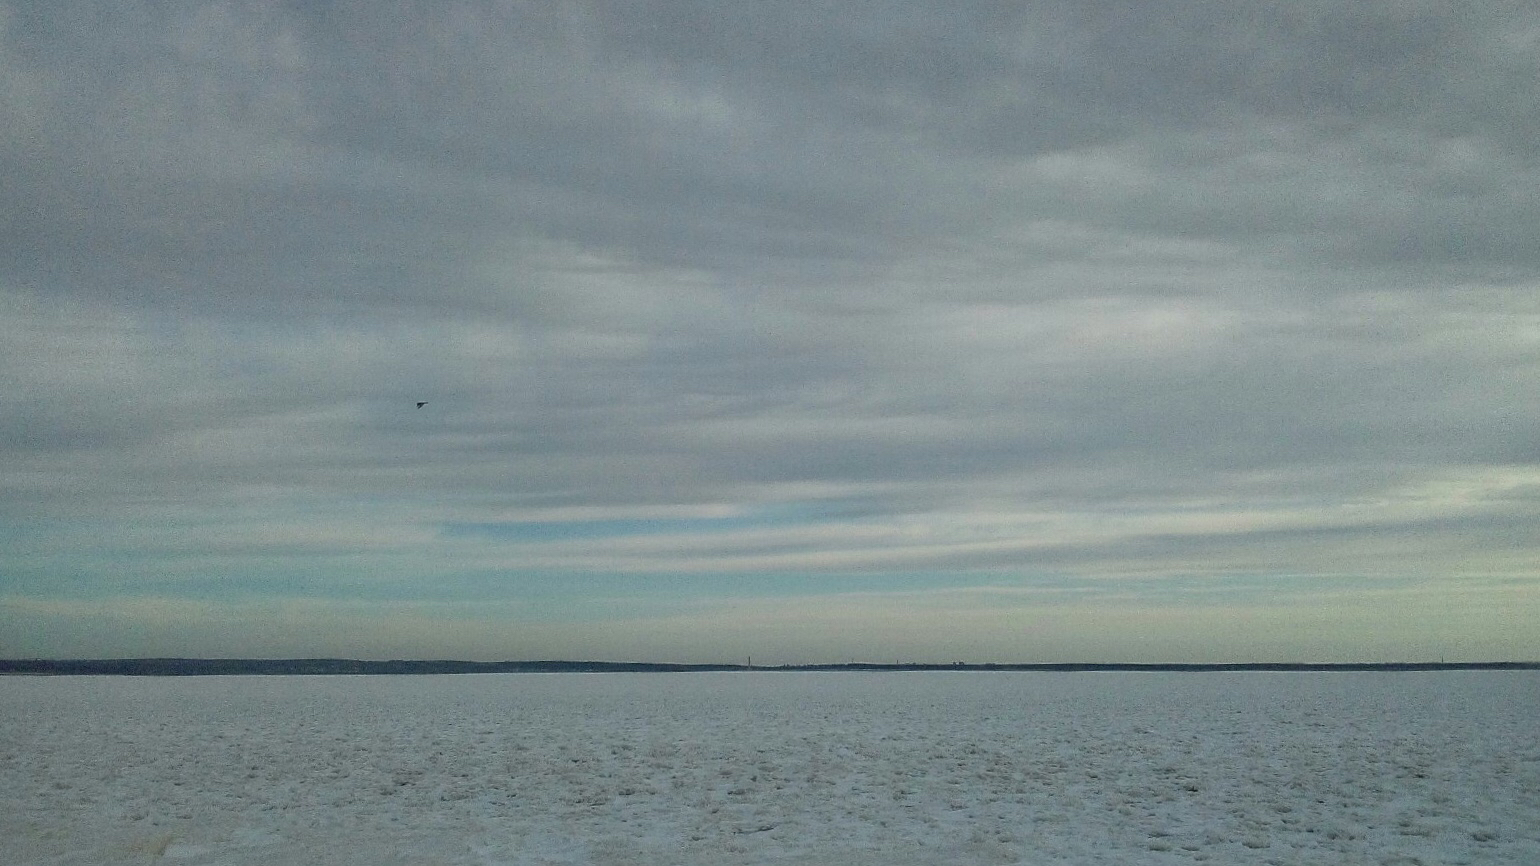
{"points": [[912, 308]]}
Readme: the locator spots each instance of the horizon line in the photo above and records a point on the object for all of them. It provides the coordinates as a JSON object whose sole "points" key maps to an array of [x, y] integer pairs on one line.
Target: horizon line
{"points": [[203, 666]]}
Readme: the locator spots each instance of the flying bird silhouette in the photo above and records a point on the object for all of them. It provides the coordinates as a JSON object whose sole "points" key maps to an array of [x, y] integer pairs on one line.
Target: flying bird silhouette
{"points": [[421, 403]]}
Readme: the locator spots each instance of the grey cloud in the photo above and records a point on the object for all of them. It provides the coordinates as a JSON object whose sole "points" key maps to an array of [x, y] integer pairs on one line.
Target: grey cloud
{"points": [[233, 151], [1049, 256]]}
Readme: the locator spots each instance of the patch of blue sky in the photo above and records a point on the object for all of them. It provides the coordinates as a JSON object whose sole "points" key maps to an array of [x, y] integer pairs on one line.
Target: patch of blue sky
{"points": [[549, 589], [583, 530], [675, 590], [555, 594], [50, 582]]}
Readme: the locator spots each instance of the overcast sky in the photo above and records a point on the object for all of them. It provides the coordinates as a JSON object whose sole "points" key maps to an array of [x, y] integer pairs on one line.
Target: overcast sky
{"points": [[802, 331]]}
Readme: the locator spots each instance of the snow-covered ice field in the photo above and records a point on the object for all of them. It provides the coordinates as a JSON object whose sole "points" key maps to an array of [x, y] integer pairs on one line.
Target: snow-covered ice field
{"points": [[773, 767]]}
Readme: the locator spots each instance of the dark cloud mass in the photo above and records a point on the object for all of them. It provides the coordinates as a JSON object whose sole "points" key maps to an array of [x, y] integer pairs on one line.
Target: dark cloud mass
{"points": [[975, 298]]}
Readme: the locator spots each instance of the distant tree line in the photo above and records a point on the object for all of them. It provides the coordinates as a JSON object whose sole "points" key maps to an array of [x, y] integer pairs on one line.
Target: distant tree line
{"points": [[162, 667]]}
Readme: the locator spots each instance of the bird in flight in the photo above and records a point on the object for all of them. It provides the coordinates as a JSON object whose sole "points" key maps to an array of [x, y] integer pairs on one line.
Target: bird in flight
{"points": [[421, 403]]}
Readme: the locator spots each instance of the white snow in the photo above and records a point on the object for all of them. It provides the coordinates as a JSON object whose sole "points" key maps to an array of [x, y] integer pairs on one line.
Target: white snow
{"points": [[773, 767]]}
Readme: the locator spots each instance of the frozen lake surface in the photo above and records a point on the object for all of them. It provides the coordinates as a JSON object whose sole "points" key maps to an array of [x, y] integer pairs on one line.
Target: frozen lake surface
{"points": [[773, 767]]}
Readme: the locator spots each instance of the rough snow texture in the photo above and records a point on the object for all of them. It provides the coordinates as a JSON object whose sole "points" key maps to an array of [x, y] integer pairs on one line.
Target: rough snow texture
{"points": [[740, 768]]}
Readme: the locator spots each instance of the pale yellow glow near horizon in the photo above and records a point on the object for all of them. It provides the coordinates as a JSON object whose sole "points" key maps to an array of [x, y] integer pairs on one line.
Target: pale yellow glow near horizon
{"points": [[1492, 621]]}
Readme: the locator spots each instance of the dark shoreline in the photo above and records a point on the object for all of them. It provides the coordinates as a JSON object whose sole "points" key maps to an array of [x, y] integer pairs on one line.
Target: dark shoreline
{"points": [[168, 667]]}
